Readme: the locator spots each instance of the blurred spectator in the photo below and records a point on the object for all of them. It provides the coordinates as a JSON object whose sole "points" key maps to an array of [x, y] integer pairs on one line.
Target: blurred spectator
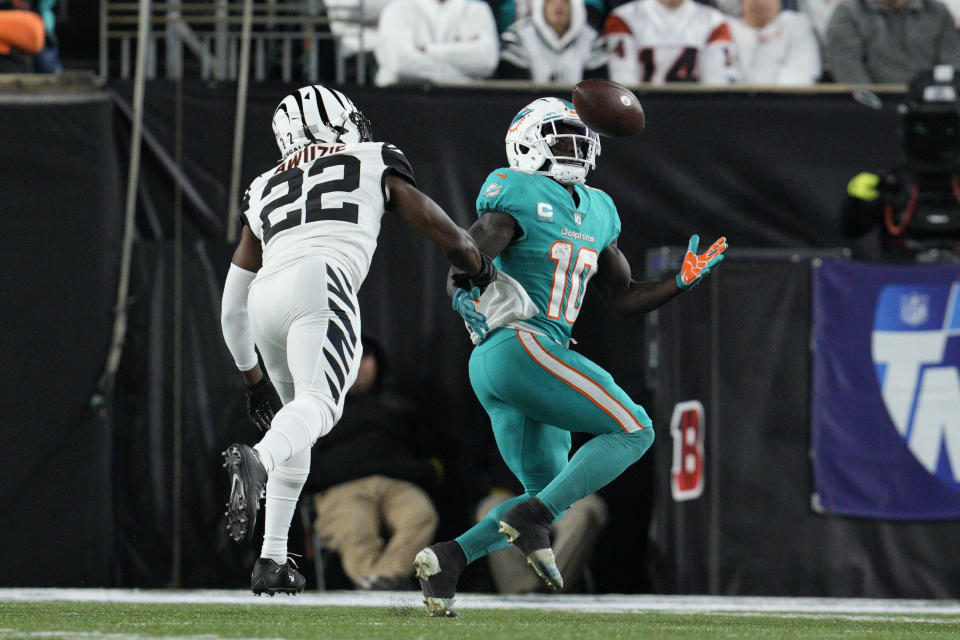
{"points": [[443, 41], [889, 41], [729, 8], [954, 7], [369, 482], [658, 41], [509, 12], [819, 12], [775, 47], [47, 60], [21, 36], [354, 24], [574, 536], [555, 44]]}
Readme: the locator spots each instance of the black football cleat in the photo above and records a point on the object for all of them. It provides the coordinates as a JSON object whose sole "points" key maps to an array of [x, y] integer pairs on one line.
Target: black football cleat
{"points": [[527, 527], [438, 567], [269, 577], [248, 481]]}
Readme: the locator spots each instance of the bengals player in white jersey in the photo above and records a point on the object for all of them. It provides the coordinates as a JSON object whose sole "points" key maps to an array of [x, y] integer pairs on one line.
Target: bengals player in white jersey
{"points": [[659, 41], [309, 232]]}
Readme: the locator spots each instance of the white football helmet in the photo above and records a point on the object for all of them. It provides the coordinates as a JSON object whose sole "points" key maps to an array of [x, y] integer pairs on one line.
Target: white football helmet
{"points": [[318, 114], [533, 138]]}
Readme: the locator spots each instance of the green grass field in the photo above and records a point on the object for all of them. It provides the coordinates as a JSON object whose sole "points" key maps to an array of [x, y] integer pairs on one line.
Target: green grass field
{"points": [[119, 621]]}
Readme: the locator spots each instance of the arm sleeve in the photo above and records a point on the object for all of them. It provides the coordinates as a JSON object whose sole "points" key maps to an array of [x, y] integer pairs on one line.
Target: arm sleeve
{"points": [[846, 48], [500, 192], [398, 57], [244, 207], [615, 226], [720, 64], [394, 162], [621, 47], [802, 66], [234, 320], [476, 52]]}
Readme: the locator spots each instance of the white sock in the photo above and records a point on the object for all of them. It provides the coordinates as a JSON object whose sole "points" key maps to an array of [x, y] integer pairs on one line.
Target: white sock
{"points": [[294, 429], [283, 490]]}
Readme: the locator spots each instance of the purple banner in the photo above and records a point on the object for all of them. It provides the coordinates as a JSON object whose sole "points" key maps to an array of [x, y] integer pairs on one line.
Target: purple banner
{"points": [[886, 390]]}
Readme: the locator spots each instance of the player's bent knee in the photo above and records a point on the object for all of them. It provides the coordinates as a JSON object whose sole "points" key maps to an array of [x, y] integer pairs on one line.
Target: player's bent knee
{"points": [[640, 440], [291, 475], [312, 412]]}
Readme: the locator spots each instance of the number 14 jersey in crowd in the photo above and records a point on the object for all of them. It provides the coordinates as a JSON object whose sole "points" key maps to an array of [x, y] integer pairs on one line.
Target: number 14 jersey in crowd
{"points": [[324, 200]]}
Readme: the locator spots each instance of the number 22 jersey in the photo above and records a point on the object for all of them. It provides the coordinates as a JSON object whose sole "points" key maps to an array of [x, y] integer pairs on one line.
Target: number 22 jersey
{"points": [[324, 200]]}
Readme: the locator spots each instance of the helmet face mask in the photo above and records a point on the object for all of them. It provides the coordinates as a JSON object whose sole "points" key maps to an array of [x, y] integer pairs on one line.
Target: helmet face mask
{"points": [[316, 115], [547, 137]]}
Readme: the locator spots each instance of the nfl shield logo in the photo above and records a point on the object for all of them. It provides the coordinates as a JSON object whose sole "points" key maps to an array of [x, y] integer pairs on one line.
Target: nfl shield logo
{"points": [[914, 308], [577, 218]]}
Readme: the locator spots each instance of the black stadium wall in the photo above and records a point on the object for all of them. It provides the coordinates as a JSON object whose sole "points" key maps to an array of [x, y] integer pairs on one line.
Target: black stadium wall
{"points": [[97, 495]]}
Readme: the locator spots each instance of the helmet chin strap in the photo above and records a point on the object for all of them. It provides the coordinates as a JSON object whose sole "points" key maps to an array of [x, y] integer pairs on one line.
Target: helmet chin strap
{"points": [[567, 173]]}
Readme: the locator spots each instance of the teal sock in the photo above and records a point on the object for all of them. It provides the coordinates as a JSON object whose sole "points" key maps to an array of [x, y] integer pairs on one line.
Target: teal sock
{"points": [[484, 537], [593, 466]]}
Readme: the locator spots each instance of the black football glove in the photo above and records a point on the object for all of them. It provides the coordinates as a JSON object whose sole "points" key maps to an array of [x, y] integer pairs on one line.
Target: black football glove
{"points": [[263, 402], [481, 279]]}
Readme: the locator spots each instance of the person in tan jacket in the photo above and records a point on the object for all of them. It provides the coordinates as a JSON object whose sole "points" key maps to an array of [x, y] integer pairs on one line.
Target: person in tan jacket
{"points": [[370, 482]]}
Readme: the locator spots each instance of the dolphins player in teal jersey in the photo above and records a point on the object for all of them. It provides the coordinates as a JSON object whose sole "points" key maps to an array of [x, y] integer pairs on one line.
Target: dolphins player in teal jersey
{"points": [[550, 234]]}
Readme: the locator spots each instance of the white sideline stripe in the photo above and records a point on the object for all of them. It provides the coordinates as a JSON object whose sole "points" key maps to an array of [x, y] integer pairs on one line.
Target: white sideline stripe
{"points": [[579, 382], [610, 603]]}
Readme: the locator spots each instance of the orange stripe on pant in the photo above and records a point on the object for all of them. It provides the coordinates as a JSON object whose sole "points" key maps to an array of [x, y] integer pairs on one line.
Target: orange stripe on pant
{"points": [[547, 359]]}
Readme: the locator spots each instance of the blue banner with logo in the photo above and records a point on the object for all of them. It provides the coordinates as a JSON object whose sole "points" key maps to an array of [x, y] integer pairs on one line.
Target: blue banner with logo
{"points": [[886, 390]]}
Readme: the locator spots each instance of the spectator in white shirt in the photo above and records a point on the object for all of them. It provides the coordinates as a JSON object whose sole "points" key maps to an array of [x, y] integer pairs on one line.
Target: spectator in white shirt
{"points": [[555, 44], [775, 47], [819, 12], [442, 41], [354, 24]]}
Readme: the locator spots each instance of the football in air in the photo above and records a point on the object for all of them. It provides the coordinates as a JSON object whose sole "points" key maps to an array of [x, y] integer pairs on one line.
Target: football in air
{"points": [[609, 108]]}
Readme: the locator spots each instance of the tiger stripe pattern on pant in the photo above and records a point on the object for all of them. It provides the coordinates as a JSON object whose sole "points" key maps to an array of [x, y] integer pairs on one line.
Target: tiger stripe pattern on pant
{"points": [[342, 339]]}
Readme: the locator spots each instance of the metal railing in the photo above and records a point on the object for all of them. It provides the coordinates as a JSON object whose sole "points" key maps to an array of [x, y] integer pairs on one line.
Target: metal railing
{"points": [[283, 35]]}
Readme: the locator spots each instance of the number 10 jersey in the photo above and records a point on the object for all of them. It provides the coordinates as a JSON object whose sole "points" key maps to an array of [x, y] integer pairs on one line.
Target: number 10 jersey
{"points": [[556, 253], [324, 200]]}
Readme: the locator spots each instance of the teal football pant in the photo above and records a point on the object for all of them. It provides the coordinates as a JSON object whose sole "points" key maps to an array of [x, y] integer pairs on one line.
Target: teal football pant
{"points": [[536, 392]]}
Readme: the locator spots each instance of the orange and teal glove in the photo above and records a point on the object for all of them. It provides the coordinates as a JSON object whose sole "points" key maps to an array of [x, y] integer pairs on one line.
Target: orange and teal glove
{"points": [[695, 267]]}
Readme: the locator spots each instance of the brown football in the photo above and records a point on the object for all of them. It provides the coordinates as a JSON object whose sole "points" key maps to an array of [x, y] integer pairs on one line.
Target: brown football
{"points": [[609, 108]]}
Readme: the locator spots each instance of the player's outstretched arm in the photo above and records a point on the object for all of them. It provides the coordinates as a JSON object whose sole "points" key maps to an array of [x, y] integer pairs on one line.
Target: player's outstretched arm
{"points": [[492, 233], [625, 295], [427, 218], [262, 399], [631, 297]]}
